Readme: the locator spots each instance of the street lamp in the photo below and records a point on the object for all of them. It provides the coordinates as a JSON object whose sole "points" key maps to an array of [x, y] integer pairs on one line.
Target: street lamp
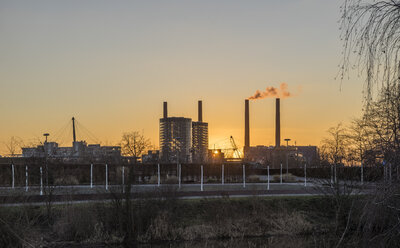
{"points": [[287, 142], [46, 135]]}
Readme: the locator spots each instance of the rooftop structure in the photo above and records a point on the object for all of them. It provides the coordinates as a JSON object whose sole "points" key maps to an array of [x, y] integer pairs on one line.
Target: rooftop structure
{"points": [[79, 150]]}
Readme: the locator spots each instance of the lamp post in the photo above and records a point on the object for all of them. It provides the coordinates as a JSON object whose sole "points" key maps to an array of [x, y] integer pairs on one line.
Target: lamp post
{"points": [[45, 160], [287, 142]]}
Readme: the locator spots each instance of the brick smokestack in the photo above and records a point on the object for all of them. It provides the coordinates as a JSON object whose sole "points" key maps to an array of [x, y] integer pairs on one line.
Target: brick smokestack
{"points": [[200, 111], [278, 124], [246, 125], [165, 108]]}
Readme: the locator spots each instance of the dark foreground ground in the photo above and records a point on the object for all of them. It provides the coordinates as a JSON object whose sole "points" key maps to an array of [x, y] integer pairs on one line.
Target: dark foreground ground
{"points": [[297, 221]]}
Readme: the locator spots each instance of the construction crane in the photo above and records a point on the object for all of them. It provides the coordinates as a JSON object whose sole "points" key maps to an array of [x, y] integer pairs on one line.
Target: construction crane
{"points": [[235, 148]]}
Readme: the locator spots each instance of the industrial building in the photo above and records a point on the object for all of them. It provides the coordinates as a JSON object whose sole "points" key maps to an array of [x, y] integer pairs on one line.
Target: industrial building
{"points": [[80, 151], [181, 140], [199, 137], [276, 155]]}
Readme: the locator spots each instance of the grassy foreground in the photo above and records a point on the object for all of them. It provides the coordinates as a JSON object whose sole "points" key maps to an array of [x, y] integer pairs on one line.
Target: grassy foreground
{"points": [[159, 220]]}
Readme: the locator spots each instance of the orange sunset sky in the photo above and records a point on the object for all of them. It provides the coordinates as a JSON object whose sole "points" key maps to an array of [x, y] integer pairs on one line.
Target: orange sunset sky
{"points": [[111, 64]]}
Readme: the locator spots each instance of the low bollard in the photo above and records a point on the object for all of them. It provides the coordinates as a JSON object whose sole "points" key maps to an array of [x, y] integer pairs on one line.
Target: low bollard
{"points": [[123, 179], [13, 176], [158, 175], [106, 177], [244, 176], [201, 179], [305, 175], [91, 176], [268, 178], [179, 175], [222, 176], [41, 181], [26, 179]]}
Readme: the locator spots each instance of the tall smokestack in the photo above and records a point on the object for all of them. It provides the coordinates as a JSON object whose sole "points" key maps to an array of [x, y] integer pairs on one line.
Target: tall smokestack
{"points": [[246, 124], [165, 108], [278, 124], [200, 111]]}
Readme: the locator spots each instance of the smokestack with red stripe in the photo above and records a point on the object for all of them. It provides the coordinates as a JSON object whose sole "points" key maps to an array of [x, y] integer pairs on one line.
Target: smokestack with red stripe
{"points": [[278, 124]]}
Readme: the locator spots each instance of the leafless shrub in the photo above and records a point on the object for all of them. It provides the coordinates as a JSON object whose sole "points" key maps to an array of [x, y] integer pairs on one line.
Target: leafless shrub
{"points": [[153, 179], [76, 224], [285, 178], [253, 179], [171, 179], [66, 180], [290, 223], [379, 224]]}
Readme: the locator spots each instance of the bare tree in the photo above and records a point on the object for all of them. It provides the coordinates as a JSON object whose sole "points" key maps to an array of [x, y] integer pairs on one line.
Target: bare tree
{"points": [[341, 187], [359, 140], [14, 146], [134, 144], [371, 41], [383, 125], [336, 144], [371, 44]]}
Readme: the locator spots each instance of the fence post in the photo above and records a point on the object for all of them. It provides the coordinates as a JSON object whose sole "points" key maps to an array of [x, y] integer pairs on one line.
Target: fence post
{"points": [[390, 172], [281, 173], [287, 167], [26, 178], [223, 175], [180, 174], [268, 178], [201, 179], [41, 181], [123, 179], [91, 176], [331, 175], [305, 174], [335, 174], [13, 176], [106, 177], [158, 174], [244, 176], [362, 174]]}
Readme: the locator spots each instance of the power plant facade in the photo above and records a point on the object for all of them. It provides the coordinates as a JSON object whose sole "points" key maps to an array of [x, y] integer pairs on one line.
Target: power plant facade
{"points": [[181, 140], [275, 155], [185, 141], [199, 138]]}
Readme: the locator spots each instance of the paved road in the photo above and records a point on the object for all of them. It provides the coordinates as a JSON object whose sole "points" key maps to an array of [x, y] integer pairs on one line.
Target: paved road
{"points": [[85, 193], [79, 193], [86, 189]]}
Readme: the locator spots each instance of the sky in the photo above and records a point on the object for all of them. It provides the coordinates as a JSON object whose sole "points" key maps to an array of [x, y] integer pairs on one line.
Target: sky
{"points": [[111, 64]]}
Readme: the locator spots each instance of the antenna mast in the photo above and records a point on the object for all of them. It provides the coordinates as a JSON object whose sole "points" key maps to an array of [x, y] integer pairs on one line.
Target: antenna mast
{"points": [[73, 129]]}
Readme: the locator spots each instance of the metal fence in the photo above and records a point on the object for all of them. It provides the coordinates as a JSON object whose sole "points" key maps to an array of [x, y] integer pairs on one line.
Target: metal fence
{"points": [[23, 175]]}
